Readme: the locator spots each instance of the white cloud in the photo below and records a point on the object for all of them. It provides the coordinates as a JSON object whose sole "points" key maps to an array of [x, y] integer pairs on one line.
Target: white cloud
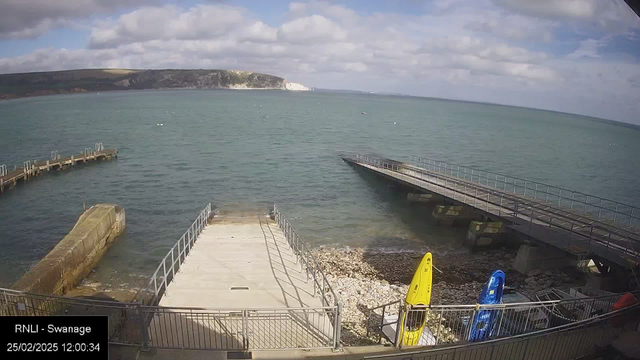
{"points": [[356, 66], [610, 15], [588, 48], [314, 28], [338, 12], [481, 53], [259, 31], [584, 9], [166, 23], [32, 18]]}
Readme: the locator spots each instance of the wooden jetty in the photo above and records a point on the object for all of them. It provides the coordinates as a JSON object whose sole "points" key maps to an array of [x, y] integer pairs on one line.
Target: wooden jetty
{"points": [[30, 169]]}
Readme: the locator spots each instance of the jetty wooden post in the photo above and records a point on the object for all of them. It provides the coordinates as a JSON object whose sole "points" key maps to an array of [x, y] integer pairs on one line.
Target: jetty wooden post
{"points": [[31, 168]]}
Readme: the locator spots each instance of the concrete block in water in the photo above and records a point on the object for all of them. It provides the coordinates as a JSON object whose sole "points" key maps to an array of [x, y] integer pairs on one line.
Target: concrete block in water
{"points": [[424, 198], [74, 256], [486, 234], [532, 257], [454, 214]]}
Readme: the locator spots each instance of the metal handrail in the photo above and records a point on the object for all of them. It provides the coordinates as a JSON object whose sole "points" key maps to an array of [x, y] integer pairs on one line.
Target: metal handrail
{"points": [[321, 284], [234, 309], [164, 274], [143, 322], [65, 299], [520, 337], [531, 209], [396, 166], [452, 323], [535, 188], [519, 305], [305, 255], [519, 203]]}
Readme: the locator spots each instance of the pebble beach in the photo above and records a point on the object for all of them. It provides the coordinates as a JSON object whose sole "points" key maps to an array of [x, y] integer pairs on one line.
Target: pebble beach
{"points": [[364, 278]]}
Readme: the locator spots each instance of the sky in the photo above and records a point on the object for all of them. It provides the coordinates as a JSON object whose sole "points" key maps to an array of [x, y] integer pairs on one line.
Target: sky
{"points": [[576, 56]]}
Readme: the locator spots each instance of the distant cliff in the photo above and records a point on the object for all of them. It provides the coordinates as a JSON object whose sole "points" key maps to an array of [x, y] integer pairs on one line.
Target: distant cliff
{"points": [[76, 81]]}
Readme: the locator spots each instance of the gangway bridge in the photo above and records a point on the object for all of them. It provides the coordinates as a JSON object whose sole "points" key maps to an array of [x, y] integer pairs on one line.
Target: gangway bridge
{"points": [[250, 284], [584, 226]]}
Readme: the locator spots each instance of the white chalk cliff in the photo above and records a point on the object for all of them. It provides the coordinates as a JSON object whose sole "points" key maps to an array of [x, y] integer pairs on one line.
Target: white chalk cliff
{"points": [[295, 86]]}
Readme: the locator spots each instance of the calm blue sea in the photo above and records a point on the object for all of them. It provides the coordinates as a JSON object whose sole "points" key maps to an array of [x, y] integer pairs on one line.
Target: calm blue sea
{"points": [[244, 150]]}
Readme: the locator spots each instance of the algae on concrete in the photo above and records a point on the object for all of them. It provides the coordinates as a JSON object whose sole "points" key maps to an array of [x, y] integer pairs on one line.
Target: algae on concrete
{"points": [[74, 256]]}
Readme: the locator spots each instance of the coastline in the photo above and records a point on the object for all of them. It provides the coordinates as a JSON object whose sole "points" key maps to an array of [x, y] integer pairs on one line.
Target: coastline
{"points": [[364, 278]]}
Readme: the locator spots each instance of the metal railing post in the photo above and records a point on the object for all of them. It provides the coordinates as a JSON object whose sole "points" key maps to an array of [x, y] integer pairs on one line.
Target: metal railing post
{"points": [[338, 327], [530, 221], [560, 197], [600, 209], [245, 329], [173, 267], [546, 198], [501, 314], [164, 279], [399, 327], [143, 328]]}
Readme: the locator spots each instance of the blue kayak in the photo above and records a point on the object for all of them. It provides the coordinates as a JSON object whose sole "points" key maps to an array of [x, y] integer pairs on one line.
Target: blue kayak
{"points": [[484, 320]]}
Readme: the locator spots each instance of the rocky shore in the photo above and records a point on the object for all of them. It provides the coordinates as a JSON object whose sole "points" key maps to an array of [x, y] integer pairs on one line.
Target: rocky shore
{"points": [[366, 278]]}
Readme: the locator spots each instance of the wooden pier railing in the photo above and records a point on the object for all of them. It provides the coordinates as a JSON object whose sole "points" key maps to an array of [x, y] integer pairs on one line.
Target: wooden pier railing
{"points": [[30, 169]]}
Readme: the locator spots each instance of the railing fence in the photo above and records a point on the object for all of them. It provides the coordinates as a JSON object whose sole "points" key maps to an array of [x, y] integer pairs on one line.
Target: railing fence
{"points": [[125, 319], [170, 264], [453, 324], [313, 269], [533, 214], [601, 208], [242, 329], [565, 342]]}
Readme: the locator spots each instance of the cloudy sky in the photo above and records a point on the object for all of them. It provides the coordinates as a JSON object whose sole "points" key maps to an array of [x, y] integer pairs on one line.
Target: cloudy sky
{"points": [[578, 56]]}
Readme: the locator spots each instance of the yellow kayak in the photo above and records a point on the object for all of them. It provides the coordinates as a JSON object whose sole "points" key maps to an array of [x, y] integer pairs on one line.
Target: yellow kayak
{"points": [[419, 293]]}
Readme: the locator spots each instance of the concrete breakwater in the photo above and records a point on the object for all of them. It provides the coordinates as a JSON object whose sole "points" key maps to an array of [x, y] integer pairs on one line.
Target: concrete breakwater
{"points": [[368, 277], [74, 256]]}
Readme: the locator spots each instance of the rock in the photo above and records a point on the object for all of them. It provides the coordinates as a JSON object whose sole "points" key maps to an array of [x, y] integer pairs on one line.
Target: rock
{"points": [[534, 272], [367, 278]]}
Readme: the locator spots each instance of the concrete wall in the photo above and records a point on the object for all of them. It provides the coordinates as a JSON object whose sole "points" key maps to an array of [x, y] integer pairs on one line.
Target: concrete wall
{"points": [[486, 234], [74, 256], [532, 257], [425, 198], [454, 215]]}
